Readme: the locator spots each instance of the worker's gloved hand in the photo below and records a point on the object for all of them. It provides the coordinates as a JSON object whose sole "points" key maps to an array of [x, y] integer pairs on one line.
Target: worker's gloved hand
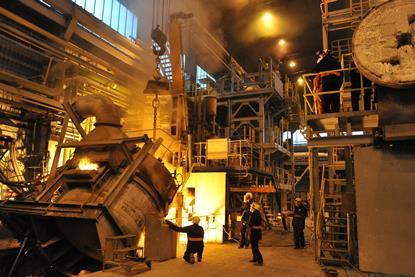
{"points": [[168, 222]]}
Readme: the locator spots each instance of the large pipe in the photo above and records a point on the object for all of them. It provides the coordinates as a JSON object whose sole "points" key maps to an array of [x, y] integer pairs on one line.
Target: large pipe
{"points": [[340, 141], [107, 115]]}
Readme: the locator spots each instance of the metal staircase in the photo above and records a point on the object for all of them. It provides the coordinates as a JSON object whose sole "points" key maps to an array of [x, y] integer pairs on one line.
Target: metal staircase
{"points": [[165, 61], [334, 231], [166, 65], [269, 212], [293, 103]]}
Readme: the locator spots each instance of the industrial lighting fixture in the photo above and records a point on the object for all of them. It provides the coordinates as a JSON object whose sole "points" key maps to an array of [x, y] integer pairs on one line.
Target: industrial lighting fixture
{"points": [[282, 42], [267, 18], [292, 64], [300, 81]]}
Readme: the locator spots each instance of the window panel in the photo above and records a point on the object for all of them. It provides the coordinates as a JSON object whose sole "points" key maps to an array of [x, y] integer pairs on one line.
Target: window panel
{"points": [[81, 3], [299, 138], [135, 27], [107, 12], [201, 74], [123, 20], [90, 6], [115, 14], [99, 8], [129, 25]]}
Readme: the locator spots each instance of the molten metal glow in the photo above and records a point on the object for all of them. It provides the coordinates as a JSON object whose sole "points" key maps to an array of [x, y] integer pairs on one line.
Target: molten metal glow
{"points": [[210, 195], [85, 164]]}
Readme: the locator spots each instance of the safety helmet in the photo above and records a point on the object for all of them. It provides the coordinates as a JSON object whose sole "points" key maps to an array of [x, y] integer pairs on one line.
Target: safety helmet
{"points": [[248, 196], [322, 52], [298, 199], [196, 220]]}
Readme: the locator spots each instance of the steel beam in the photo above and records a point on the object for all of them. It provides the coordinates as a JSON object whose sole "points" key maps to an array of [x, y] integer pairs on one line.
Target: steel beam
{"points": [[340, 141]]}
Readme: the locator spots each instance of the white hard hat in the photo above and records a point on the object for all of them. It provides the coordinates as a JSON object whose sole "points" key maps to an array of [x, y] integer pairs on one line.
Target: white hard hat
{"points": [[248, 196], [298, 199]]}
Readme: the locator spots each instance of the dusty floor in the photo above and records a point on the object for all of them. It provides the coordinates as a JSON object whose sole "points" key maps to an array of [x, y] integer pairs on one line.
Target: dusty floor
{"points": [[280, 259]]}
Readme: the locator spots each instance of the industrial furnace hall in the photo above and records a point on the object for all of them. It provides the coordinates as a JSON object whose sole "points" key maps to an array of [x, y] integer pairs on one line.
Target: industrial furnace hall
{"points": [[207, 138]]}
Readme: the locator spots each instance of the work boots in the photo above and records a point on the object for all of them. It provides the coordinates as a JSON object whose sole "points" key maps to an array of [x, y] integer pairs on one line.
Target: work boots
{"points": [[191, 258]]}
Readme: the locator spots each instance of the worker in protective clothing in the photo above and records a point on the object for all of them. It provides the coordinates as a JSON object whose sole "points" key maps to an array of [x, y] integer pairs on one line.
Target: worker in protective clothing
{"points": [[195, 235], [299, 215], [246, 213], [329, 79], [255, 229]]}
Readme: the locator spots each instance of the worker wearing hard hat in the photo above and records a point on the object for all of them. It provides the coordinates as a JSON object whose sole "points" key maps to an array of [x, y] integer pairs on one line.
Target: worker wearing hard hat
{"points": [[299, 215], [195, 235], [246, 213], [328, 79], [255, 228]]}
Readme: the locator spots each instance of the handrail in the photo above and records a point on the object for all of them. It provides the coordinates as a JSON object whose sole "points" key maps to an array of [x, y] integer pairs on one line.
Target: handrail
{"points": [[310, 107]]}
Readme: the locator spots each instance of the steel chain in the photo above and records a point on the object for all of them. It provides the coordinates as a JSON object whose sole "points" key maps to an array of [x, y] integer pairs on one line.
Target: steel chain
{"points": [[156, 105]]}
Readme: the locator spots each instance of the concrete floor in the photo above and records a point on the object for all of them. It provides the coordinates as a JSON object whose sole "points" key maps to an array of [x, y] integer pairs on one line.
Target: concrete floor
{"points": [[280, 259], [227, 260]]}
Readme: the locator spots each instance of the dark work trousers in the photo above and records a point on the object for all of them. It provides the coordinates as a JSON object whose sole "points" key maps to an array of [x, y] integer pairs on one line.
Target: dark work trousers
{"points": [[255, 237], [192, 248], [284, 222], [331, 102], [244, 241], [298, 226]]}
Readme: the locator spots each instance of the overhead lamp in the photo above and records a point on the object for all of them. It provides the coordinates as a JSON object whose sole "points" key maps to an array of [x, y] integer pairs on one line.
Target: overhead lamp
{"points": [[267, 17], [292, 64]]}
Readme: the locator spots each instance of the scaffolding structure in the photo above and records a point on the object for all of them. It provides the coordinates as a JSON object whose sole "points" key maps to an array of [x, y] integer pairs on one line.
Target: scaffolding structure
{"points": [[339, 19], [335, 134]]}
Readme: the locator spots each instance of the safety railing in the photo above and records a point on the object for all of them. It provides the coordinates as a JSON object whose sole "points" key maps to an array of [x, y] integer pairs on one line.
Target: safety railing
{"points": [[284, 178], [239, 154], [170, 147], [343, 14], [340, 48], [268, 77], [312, 96]]}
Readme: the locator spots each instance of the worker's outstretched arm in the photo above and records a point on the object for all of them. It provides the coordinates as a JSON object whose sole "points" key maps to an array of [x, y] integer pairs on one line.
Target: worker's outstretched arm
{"points": [[175, 227]]}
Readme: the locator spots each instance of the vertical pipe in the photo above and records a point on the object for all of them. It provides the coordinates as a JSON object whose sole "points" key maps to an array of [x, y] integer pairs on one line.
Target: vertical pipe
{"points": [[314, 189]]}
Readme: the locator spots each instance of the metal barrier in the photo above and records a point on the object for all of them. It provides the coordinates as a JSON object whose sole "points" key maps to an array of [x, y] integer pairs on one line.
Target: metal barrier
{"points": [[311, 96], [240, 154]]}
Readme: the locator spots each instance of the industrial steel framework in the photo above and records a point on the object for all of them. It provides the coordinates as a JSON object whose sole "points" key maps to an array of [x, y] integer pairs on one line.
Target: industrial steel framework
{"points": [[332, 195], [339, 19], [59, 52], [253, 111]]}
